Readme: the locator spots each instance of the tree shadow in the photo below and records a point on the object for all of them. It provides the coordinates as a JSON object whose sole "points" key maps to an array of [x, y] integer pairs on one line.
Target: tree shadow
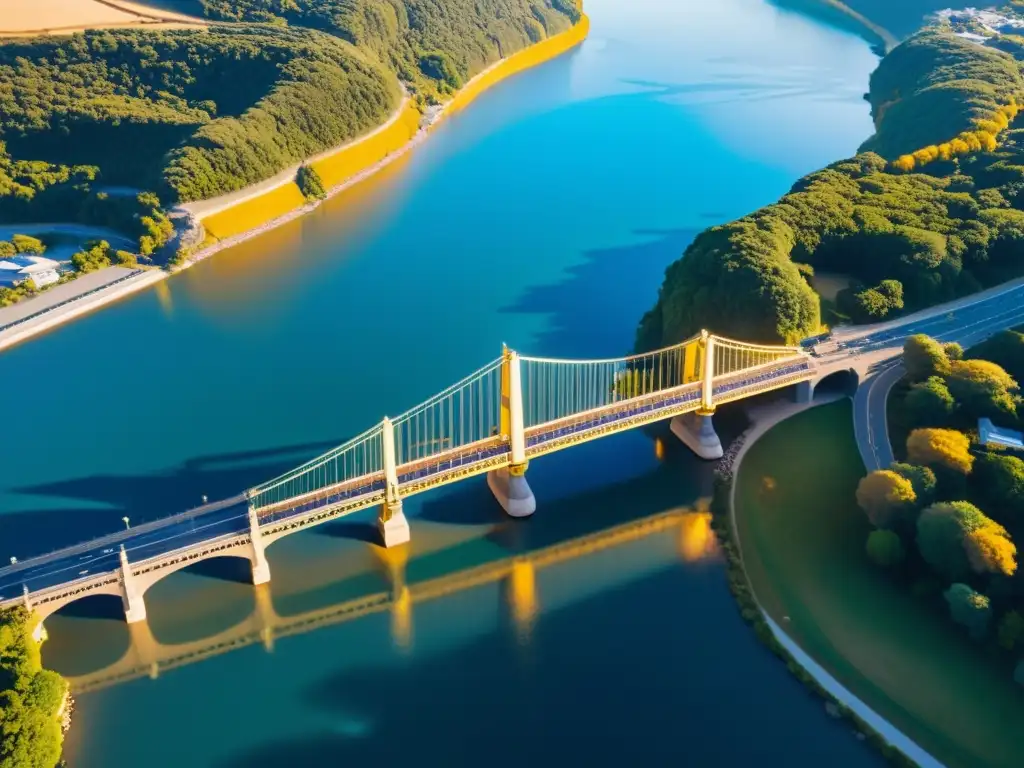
{"points": [[588, 317], [141, 497]]}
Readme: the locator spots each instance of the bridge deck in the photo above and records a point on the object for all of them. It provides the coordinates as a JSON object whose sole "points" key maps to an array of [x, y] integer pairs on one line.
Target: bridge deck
{"points": [[90, 566]]}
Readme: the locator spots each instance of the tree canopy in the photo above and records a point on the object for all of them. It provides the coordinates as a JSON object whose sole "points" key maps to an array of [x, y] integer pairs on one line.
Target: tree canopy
{"points": [[940, 447]]}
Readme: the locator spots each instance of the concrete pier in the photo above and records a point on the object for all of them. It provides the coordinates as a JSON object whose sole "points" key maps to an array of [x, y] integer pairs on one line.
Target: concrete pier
{"points": [[512, 492], [697, 432], [131, 595], [393, 526]]}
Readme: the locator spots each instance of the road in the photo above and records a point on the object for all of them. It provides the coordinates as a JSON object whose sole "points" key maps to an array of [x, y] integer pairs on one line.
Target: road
{"points": [[874, 353]]}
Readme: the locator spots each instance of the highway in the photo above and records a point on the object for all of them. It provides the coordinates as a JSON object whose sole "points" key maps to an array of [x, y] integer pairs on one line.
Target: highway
{"points": [[874, 352]]}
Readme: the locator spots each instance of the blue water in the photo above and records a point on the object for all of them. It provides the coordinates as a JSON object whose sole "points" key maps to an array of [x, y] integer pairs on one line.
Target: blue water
{"points": [[543, 216]]}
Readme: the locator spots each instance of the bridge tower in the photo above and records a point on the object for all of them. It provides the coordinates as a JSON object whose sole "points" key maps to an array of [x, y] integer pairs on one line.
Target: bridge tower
{"points": [[509, 484], [696, 430], [131, 595], [393, 527]]}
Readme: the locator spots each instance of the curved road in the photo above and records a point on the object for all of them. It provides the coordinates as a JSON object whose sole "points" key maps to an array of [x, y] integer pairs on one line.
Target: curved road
{"points": [[874, 353]]}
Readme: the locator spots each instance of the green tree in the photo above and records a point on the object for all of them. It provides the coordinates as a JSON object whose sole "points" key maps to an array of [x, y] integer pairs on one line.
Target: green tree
{"points": [[942, 530], [921, 478], [990, 550], [929, 403], [998, 479], [982, 388], [953, 351], [969, 609], [940, 448], [27, 244], [310, 183], [1005, 349], [885, 497], [924, 357], [885, 549], [7, 249], [1010, 633]]}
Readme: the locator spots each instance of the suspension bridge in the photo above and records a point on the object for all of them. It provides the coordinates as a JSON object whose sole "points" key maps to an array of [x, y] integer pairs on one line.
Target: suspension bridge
{"points": [[494, 422]]}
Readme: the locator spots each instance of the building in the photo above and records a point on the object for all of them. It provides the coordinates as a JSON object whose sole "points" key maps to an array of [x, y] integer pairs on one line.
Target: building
{"points": [[17, 269], [989, 434]]}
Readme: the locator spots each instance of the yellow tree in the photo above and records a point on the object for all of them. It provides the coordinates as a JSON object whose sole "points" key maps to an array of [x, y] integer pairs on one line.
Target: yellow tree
{"points": [[884, 496], [989, 550], [943, 447]]}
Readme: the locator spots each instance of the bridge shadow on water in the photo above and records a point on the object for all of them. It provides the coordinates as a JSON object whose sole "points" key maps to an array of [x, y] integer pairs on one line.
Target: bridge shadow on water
{"points": [[587, 317], [142, 497]]}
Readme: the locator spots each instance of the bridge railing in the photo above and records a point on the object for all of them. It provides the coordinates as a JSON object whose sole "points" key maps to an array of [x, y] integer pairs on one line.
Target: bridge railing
{"points": [[114, 540], [465, 413], [361, 456]]}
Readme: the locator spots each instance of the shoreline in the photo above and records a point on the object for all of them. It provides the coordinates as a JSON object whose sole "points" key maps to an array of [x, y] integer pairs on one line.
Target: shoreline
{"points": [[834, 691], [519, 61]]}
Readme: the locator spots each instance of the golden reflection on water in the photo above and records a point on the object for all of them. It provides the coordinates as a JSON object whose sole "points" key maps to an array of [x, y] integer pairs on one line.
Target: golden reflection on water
{"points": [[522, 599], [697, 540], [163, 297], [659, 449], [267, 264]]}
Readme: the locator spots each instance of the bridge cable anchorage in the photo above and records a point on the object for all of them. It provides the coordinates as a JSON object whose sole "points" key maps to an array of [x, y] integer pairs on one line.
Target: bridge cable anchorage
{"points": [[494, 421]]}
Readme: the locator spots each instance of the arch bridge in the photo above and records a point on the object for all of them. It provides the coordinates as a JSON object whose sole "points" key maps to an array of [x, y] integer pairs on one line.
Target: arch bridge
{"points": [[494, 422]]}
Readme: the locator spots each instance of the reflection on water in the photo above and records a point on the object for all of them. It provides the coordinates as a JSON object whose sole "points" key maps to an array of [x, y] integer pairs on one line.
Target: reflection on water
{"points": [[147, 657]]}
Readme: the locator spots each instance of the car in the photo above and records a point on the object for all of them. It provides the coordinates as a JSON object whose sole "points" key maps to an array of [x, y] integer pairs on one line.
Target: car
{"points": [[82, 573]]}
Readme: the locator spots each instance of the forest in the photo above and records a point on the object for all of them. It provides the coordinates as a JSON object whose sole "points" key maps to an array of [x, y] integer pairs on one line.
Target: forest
{"points": [[907, 239], [948, 517], [30, 697], [189, 114]]}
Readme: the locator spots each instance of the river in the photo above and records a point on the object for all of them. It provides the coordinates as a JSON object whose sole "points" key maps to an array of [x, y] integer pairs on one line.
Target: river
{"points": [[542, 216]]}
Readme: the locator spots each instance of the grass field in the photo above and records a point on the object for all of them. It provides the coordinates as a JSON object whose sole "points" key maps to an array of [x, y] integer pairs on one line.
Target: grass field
{"points": [[803, 545]]}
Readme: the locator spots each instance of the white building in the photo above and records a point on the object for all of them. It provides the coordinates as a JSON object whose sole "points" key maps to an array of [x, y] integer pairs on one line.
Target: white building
{"points": [[17, 269]]}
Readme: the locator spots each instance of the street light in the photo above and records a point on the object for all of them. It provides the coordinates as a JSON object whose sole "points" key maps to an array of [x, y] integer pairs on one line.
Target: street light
{"points": [[126, 522], [204, 498]]}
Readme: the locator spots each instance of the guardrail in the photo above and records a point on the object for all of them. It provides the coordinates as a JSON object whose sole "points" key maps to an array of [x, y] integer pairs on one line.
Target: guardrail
{"points": [[40, 313]]}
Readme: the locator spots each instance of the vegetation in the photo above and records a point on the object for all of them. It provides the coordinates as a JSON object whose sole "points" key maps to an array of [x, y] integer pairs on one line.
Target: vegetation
{"points": [[967, 508], [740, 586], [885, 633], [31, 698], [310, 183], [433, 46], [909, 240]]}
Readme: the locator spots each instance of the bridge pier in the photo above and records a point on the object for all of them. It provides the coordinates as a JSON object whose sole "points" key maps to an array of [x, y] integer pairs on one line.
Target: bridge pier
{"points": [[131, 595], [258, 558], [804, 392], [510, 488], [697, 432]]}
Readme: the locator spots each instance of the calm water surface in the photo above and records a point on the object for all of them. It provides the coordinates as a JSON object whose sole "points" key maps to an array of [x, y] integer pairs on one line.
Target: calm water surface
{"points": [[544, 217]]}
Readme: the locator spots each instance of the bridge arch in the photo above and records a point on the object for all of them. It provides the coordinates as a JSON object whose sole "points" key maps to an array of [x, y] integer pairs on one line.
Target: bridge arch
{"points": [[844, 381]]}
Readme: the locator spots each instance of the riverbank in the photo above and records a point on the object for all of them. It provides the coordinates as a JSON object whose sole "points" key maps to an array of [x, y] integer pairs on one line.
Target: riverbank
{"points": [[888, 737], [253, 214], [806, 571], [249, 213]]}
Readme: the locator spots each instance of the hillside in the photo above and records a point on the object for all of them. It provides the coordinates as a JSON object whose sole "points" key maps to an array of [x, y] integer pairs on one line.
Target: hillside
{"points": [[908, 240], [193, 113]]}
